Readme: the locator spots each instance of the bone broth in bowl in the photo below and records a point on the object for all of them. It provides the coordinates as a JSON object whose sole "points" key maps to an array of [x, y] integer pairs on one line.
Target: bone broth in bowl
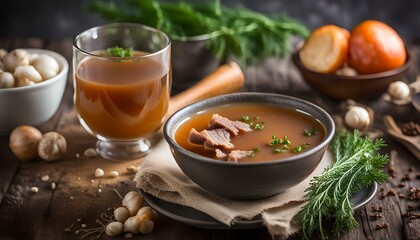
{"points": [[249, 145]]}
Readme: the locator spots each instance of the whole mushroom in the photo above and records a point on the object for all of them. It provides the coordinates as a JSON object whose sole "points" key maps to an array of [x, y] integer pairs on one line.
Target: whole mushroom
{"points": [[52, 146], [23, 142], [26, 75], [6, 80], [17, 57], [46, 65], [3, 53]]}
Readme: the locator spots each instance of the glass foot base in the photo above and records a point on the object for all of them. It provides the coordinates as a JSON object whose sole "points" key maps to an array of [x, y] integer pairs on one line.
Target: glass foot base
{"points": [[122, 151]]}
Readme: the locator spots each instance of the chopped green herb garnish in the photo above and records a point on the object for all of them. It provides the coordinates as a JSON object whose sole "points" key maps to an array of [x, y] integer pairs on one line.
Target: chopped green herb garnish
{"points": [[252, 123], [254, 151], [311, 132], [245, 118], [281, 150], [279, 141], [286, 141], [119, 52], [299, 148]]}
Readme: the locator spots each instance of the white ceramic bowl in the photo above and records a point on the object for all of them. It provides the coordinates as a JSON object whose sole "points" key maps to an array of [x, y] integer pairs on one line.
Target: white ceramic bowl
{"points": [[34, 104]]}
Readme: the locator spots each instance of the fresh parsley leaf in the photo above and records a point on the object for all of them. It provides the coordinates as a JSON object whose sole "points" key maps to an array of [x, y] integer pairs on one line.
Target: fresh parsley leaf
{"points": [[119, 52]]}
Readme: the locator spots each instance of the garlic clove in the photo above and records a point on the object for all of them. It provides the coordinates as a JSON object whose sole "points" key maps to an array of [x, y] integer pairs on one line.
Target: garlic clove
{"points": [[399, 90], [357, 118], [121, 214], [131, 225], [146, 226], [114, 229], [133, 201]]}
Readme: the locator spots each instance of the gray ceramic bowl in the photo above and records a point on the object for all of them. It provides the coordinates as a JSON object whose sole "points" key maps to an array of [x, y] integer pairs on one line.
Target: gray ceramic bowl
{"points": [[192, 60], [248, 180], [34, 104]]}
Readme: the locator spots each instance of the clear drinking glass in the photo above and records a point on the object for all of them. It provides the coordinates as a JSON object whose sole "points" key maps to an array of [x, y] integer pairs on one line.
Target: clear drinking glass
{"points": [[122, 100]]}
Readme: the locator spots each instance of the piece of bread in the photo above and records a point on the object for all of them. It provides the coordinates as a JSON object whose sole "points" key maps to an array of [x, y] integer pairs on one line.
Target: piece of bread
{"points": [[326, 49]]}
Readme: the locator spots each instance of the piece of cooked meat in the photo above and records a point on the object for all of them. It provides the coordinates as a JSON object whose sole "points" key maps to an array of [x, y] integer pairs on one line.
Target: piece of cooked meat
{"points": [[234, 127], [235, 155], [220, 153], [211, 139]]}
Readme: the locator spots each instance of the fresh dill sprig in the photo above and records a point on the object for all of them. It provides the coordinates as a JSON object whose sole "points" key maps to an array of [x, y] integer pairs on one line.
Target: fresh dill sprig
{"points": [[357, 164], [247, 35]]}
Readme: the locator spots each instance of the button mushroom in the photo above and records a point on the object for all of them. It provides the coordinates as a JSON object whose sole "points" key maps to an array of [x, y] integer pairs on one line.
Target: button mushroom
{"points": [[46, 65], [23, 142], [6, 80], [52, 146], [15, 58], [26, 75], [3, 53]]}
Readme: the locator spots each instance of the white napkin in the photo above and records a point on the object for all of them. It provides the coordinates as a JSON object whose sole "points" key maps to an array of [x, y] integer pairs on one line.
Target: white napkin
{"points": [[160, 176]]}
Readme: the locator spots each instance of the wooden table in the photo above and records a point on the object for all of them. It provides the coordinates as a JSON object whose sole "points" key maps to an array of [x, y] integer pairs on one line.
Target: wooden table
{"points": [[80, 198]]}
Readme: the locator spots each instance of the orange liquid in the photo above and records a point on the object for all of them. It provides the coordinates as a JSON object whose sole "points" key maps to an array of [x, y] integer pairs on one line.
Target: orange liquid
{"points": [[122, 100]]}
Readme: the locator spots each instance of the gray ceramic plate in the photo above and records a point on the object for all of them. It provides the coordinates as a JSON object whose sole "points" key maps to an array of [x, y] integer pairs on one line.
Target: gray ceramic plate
{"points": [[196, 218]]}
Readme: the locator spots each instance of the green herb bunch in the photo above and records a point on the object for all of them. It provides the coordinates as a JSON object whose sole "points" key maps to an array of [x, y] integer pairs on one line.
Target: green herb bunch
{"points": [[357, 164], [247, 35]]}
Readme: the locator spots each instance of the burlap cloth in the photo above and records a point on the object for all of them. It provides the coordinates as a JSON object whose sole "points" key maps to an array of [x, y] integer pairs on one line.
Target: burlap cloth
{"points": [[160, 176]]}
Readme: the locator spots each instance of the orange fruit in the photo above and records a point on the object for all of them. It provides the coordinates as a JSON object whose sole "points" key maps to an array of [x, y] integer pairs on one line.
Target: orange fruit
{"points": [[375, 47], [326, 49]]}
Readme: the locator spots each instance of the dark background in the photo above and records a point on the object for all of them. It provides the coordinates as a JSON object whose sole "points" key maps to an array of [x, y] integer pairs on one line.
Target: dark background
{"points": [[50, 19]]}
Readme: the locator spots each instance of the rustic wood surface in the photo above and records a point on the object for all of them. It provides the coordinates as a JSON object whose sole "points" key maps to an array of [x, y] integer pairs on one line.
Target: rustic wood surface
{"points": [[77, 200]]}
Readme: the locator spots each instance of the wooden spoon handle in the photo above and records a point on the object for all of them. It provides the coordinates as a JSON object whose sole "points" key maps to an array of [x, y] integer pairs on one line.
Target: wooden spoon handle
{"points": [[225, 79], [390, 124]]}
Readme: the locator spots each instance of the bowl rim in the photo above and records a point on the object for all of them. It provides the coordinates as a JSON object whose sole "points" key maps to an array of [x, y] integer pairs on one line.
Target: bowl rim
{"points": [[62, 62], [173, 144], [407, 64]]}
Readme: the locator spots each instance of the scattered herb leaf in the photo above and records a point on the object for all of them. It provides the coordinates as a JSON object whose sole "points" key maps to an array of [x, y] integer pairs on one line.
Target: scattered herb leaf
{"points": [[279, 141], [252, 123], [357, 164], [256, 149], [299, 148], [311, 132], [283, 149]]}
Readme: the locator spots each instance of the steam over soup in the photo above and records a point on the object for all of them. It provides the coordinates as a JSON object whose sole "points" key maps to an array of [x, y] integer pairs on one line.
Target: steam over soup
{"points": [[249, 133]]}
